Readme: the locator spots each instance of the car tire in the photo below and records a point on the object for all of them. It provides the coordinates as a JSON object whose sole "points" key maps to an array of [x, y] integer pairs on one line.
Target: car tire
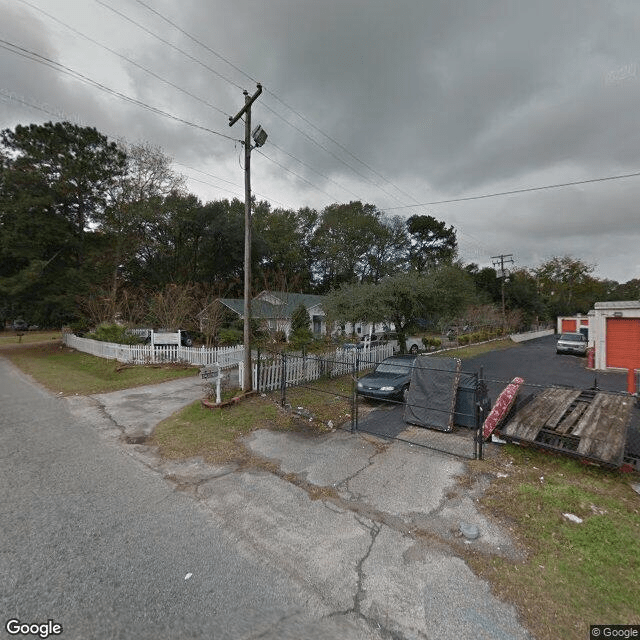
{"points": [[414, 349]]}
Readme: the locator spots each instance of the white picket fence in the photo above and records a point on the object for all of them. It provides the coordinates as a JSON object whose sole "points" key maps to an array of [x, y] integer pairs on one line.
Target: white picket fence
{"points": [[300, 369], [147, 354]]}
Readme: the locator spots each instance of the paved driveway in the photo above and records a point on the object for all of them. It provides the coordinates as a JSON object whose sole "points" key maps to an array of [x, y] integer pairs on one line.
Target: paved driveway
{"points": [[538, 363]]}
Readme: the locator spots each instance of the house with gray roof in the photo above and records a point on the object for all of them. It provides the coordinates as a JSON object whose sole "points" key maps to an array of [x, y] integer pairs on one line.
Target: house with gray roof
{"points": [[275, 308]]}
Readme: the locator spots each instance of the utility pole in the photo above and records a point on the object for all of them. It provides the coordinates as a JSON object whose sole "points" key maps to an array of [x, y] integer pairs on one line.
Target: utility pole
{"points": [[500, 260], [246, 110]]}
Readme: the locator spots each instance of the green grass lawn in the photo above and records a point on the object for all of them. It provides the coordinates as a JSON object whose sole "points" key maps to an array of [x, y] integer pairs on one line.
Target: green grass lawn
{"points": [[476, 349], [66, 371], [213, 433], [575, 574], [10, 338]]}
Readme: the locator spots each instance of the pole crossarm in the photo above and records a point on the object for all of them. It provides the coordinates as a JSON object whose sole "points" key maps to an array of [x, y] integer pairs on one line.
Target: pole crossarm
{"points": [[247, 105]]}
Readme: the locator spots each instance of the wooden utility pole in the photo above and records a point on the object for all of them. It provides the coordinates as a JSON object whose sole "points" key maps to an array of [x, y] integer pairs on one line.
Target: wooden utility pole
{"points": [[500, 260], [246, 110]]}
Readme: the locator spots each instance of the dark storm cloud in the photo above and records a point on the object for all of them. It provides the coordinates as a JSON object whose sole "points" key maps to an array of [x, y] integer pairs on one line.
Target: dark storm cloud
{"points": [[442, 98]]}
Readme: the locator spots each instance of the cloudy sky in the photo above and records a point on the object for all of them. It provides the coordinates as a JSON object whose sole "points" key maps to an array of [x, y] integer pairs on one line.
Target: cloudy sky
{"points": [[400, 104]]}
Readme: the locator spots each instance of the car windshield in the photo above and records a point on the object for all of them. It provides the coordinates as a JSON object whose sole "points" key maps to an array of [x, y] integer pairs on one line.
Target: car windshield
{"points": [[572, 337], [392, 367]]}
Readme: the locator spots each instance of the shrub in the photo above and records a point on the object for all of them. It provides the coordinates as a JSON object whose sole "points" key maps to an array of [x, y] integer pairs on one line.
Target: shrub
{"points": [[431, 342], [301, 338], [230, 337], [113, 333]]}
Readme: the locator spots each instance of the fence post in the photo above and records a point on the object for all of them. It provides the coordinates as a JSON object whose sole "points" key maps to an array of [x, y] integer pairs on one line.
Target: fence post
{"points": [[481, 396], [283, 380], [354, 410], [258, 370]]}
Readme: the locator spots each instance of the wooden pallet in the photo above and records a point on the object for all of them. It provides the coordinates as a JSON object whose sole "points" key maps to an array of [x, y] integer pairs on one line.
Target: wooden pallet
{"points": [[587, 424]]}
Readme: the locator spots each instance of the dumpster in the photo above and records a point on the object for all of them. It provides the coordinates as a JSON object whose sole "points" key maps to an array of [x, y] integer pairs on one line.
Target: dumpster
{"points": [[465, 411]]}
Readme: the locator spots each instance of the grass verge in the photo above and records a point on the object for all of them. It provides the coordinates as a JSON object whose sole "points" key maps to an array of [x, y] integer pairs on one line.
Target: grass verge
{"points": [[13, 340], [476, 349], [213, 433], [66, 371], [575, 574]]}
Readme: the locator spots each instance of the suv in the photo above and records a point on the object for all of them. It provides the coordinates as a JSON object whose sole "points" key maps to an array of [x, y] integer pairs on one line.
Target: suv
{"points": [[572, 343], [20, 325]]}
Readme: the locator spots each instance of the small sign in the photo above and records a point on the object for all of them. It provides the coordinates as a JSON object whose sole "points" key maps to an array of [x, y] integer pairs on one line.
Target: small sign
{"points": [[211, 371]]}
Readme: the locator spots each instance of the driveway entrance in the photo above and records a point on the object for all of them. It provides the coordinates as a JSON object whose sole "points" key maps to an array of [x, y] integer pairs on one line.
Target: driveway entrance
{"points": [[541, 367]]}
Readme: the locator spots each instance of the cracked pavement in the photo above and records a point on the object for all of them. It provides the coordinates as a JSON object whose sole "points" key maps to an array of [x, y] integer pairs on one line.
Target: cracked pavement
{"points": [[369, 527]]}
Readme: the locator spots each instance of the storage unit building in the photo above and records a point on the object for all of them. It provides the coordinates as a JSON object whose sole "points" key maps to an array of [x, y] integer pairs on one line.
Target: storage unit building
{"points": [[616, 334], [572, 324]]}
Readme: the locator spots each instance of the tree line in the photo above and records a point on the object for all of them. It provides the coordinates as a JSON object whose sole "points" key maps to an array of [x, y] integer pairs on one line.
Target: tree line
{"points": [[91, 227]]}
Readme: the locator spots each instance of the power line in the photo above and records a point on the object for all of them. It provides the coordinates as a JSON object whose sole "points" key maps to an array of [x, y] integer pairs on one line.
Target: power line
{"points": [[168, 82], [297, 175], [326, 177], [59, 114], [169, 44], [30, 55], [523, 190], [340, 146], [239, 70], [56, 66], [123, 57], [190, 57], [202, 44], [234, 184]]}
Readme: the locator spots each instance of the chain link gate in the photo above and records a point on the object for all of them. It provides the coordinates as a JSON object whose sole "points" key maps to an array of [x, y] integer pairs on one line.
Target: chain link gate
{"points": [[281, 373]]}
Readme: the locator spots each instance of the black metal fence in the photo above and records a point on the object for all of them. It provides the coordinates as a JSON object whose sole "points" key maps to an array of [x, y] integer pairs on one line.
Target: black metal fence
{"points": [[454, 430], [457, 428]]}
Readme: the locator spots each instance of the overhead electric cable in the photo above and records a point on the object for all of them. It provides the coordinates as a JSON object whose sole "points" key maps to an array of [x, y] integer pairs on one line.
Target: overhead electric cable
{"points": [[5, 94], [239, 70], [340, 146], [275, 146], [202, 44], [123, 57], [35, 57], [516, 191], [173, 46], [234, 184], [297, 175]]}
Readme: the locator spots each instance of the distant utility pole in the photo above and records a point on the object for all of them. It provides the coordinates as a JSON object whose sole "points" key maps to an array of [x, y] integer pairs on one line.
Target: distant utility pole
{"points": [[501, 260], [246, 110]]}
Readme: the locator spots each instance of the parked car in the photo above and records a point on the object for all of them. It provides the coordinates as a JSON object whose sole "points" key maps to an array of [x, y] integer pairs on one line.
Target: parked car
{"points": [[365, 341], [389, 380], [572, 343], [20, 325], [185, 339]]}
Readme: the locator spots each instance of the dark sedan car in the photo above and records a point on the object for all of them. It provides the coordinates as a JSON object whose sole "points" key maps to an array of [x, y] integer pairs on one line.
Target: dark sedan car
{"points": [[389, 380]]}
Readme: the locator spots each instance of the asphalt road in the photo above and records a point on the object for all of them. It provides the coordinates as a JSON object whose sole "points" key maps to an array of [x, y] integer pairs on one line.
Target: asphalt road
{"points": [[538, 363], [106, 548]]}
